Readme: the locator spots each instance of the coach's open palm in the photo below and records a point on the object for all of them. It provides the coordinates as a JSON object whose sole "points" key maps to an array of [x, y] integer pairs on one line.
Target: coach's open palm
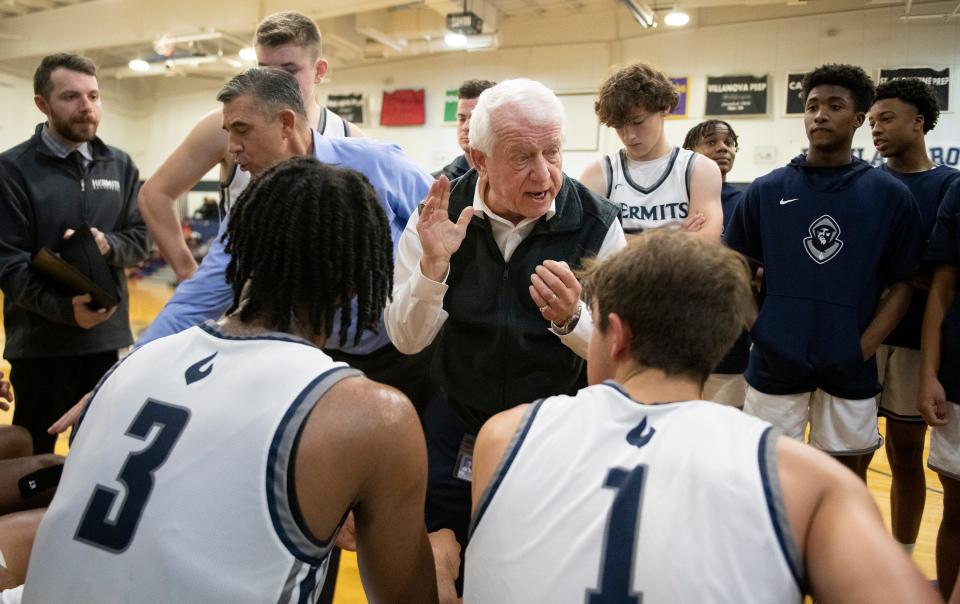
{"points": [[440, 236]]}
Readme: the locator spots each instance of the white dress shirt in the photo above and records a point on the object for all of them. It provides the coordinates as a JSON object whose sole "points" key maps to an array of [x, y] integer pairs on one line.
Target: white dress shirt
{"points": [[415, 315]]}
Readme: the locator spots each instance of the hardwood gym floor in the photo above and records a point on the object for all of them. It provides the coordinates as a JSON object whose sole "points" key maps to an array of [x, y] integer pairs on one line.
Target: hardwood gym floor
{"points": [[148, 297]]}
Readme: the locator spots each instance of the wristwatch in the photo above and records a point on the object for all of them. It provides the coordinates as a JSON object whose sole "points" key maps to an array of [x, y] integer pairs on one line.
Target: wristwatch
{"points": [[568, 325]]}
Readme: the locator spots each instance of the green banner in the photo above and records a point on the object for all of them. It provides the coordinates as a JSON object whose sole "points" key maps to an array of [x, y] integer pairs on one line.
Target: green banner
{"points": [[450, 107]]}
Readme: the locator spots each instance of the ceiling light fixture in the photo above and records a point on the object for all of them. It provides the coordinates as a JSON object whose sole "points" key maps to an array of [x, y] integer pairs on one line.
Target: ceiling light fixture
{"points": [[642, 12], [455, 40], [139, 65], [248, 54], [676, 18]]}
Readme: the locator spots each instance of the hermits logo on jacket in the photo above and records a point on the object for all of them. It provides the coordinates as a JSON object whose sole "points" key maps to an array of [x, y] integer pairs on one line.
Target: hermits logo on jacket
{"points": [[824, 240]]}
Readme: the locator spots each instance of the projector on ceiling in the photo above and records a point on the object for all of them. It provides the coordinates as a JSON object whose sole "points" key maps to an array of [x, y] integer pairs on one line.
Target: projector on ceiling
{"points": [[466, 23]]}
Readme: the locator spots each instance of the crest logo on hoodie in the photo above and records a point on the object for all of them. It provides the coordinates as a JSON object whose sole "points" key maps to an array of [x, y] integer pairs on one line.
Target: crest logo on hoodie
{"points": [[824, 243]]}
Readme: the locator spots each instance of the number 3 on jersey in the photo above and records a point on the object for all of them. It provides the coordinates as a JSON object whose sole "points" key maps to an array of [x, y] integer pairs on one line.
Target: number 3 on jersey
{"points": [[619, 548], [115, 536]]}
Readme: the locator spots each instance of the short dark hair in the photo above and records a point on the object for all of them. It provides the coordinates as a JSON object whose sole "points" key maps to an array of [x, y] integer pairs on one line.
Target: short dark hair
{"points": [[634, 85], [851, 77], [42, 83], [305, 239], [471, 89], [274, 90], [289, 27], [684, 299], [915, 92], [705, 129]]}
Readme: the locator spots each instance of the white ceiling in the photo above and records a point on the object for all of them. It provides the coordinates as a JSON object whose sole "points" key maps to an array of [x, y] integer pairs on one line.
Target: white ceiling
{"points": [[206, 34]]}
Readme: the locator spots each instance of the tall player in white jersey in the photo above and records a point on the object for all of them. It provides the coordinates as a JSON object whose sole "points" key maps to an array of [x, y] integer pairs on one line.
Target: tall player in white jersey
{"points": [[218, 464], [633, 490], [655, 184], [288, 40]]}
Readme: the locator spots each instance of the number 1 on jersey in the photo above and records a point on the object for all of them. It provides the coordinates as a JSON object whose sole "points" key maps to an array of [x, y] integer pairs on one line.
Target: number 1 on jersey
{"points": [[137, 475], [619, 548]]}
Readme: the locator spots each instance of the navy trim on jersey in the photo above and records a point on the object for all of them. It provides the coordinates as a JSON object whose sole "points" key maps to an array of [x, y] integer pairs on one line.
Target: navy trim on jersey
{"points": [[688, 175], [291, 581], [616, 386], [93, 395], [770, 477], [224, 188], [294, 535], [213, 329], [608, 170], [910, 419], [508, 456], [309, 585], [656, 185], [322, 125]]}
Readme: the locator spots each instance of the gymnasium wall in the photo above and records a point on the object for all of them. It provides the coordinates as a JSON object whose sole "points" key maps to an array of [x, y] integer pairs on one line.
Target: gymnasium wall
{"points": [[149, 117]]}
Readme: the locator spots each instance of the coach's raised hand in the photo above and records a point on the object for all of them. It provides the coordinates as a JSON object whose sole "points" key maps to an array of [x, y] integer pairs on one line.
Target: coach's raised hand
{"points": [[440, 236]]}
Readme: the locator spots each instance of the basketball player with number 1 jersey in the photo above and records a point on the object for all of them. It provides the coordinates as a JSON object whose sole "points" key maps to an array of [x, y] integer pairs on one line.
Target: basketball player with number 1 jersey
{"points": [[633, 490]]}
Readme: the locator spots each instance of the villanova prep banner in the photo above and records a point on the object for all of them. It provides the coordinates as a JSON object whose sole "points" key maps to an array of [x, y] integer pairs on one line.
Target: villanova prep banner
{"points": [[795, 93], [736, 95], [350, 107], [938, 80]]}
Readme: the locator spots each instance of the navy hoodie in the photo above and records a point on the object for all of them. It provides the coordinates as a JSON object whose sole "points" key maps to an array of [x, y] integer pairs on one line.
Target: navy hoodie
{"points": [[944, 248], [830, 239]]}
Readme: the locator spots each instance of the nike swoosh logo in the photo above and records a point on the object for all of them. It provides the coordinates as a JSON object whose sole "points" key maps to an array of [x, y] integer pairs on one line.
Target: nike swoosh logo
{"points": [[637, 437], [784, 202], [197, 372]]}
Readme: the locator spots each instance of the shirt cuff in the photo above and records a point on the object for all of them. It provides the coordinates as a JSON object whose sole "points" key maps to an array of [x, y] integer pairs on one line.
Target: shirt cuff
{"points": [[426, 289], [578, 340]]}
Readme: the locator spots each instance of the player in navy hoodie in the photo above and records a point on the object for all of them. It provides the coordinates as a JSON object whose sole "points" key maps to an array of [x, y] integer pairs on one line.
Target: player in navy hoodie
{"points": [[940, 380], [905, 110], [832, 234]]}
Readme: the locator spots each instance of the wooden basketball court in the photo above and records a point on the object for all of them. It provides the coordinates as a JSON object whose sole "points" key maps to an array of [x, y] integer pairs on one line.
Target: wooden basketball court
{"points": [[148, 297]]}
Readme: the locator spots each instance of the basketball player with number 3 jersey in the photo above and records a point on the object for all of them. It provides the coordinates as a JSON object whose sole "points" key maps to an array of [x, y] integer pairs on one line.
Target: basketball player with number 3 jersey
{"points": [[219, 464], [633, 490]]}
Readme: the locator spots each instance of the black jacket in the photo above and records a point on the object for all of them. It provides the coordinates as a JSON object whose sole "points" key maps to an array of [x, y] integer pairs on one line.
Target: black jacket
{"points": [[41, 196]]}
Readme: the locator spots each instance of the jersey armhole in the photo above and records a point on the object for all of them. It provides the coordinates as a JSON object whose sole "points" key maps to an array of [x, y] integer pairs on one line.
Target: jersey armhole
{"points": [[280, 486], [608, 174], [505, 462], [688, 175], [770, 478]]}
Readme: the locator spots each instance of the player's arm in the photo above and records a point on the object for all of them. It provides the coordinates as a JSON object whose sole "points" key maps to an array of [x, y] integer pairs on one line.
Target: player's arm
{"points": [[203, 148], [594, 179], [889, 312], [705, 184], [492, 442], [17, 532], [354, 131], [931, 398], [365, 450], [849, 555]]}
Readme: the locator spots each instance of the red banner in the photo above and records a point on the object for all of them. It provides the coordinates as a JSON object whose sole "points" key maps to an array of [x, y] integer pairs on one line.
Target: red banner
{"points": [[403, 108]]}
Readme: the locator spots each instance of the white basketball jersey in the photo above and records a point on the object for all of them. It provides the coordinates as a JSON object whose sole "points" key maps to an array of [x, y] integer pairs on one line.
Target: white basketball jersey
{"points": [[176, 486], [601, 499], [330, 124], [653, 194]]}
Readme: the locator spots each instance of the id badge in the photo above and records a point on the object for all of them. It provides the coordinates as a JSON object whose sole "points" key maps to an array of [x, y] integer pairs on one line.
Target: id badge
{"points": [[463, 468]]}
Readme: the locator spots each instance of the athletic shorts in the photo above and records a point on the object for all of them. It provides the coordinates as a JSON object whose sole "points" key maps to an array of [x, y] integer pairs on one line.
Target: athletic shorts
{"points": [[898, 369], [945, 445], [838, 426], [726, 389]]}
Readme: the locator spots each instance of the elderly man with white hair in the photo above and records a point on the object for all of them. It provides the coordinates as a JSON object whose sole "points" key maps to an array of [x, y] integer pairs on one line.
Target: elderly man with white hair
{"points": [[485, 272]]}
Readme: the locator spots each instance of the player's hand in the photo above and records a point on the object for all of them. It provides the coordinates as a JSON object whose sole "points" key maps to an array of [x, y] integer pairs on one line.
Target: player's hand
{"points": [[6, 394], [440, 236], [446, 556], [555, 290], [932, 402], [693, 223], [69, 419], [347, 537], [102, 244], [87, 318]]}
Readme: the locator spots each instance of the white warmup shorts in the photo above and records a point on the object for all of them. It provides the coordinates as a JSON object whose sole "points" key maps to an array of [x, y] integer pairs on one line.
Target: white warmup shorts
{"points": [[838, 426], [725, 388], [899, 372], [945, 446]]}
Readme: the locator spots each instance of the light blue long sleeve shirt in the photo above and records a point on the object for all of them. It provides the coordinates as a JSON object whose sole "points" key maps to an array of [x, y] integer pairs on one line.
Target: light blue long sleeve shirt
{"points": [[400, 185]]}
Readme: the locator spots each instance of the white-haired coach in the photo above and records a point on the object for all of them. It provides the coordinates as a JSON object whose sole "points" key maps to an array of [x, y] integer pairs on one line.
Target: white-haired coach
{"points": [[485, 273]]}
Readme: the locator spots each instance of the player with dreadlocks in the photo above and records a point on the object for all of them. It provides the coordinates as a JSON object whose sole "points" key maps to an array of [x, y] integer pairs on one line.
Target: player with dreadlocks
{"points": [[263, 442]]}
